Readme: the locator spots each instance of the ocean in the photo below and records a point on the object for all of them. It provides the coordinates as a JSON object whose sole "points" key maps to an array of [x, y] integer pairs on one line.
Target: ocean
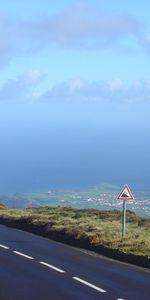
{"points": [[62, 157]]}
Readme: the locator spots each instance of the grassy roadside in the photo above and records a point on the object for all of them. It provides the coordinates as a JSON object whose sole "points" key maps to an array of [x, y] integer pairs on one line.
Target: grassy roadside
{"points": [[98, 228]]}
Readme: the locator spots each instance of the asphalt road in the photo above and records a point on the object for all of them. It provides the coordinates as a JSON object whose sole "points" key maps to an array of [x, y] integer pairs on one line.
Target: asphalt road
{"points": [[35, 268]]}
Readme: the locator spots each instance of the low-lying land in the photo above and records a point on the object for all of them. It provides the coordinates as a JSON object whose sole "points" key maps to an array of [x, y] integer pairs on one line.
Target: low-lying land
{"points": [[93, 229], [103, 197]]}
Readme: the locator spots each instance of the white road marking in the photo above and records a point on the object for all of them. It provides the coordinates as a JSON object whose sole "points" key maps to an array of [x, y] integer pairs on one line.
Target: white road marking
{"points": [[60, 270], [52, 267], [4, 247], [89, 284], [24, 255]]}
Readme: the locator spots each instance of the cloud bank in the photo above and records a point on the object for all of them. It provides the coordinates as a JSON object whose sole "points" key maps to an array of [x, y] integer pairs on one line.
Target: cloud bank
{"points": [[79, 26], [26, 88], [101, 91]]}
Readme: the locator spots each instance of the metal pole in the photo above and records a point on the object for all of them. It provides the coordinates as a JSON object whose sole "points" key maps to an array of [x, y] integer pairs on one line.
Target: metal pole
{"points": [[124, 220]]}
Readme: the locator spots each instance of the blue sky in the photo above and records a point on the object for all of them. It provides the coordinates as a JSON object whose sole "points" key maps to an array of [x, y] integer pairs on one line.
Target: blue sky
{"points": [[91, 41], [53, 53], [75, 64]]}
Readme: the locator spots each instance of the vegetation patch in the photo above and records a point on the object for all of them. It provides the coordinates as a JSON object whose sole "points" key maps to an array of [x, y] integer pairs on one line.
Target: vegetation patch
{"points": [[93, 229], [2, 206]]}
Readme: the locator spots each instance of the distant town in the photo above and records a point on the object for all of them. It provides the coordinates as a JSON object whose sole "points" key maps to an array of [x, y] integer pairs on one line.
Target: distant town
{"points": [[99, 197]]}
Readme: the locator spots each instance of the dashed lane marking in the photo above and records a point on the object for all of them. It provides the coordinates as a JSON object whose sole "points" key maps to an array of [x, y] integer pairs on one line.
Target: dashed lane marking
{"points": [[60, 271], [51, 266], [89, 284], [24, 255], [4, 247]]}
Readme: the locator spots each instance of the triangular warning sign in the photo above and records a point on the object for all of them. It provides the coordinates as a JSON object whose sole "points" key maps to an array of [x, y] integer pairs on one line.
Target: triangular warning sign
{"points": [[125, 194]]}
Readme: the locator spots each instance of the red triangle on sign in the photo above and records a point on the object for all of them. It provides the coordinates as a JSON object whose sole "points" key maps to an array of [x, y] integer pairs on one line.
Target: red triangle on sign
{"points": [[125, 194]]}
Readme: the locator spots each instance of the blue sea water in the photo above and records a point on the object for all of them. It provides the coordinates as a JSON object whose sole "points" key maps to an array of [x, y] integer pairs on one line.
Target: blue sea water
{"points": [[38, 159]]}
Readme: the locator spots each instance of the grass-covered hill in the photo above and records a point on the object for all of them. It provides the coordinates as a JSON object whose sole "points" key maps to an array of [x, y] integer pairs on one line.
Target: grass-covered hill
{"points": [[84, 227]]}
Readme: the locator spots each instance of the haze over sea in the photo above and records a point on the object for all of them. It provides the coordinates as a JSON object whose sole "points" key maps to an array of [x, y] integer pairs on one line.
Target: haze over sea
{"points": [[67, 157]]}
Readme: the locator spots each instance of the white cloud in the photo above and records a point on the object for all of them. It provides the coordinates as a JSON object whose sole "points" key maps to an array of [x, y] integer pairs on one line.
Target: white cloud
{"points": [[27, 88], [115, 85], [34, 75], [22, 88], [103, 91], [145, 42], [80, 25], [6, 40]]}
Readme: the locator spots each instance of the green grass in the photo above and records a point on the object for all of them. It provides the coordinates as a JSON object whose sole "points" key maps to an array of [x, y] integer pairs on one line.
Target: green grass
{"points": [[98, 227]]}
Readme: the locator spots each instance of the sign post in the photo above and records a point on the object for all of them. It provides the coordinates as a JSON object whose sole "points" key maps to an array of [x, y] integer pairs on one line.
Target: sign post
{"points": [[124, 195], [124, 220]]}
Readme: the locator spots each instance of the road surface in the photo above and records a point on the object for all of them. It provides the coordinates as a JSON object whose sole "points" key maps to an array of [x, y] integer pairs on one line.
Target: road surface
{"points": [[35, 268]]}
